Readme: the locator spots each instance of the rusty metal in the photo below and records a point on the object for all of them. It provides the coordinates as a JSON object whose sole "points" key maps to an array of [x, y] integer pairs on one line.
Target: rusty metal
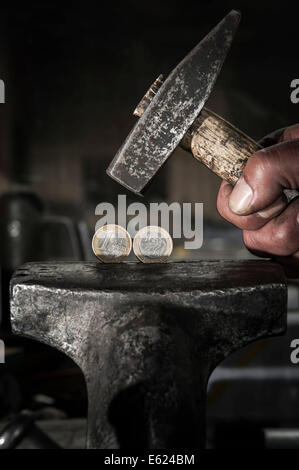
{"points": [[147, 337], [173, 109]]}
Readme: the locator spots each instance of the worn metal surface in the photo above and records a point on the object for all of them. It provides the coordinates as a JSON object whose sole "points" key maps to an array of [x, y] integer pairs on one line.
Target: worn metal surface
{"points": [[173, 109], [147, 337]]}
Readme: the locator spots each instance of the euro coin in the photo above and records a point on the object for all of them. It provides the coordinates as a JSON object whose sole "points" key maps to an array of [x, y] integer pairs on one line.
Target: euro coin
{"points": [[111, 243], [152, 244]]}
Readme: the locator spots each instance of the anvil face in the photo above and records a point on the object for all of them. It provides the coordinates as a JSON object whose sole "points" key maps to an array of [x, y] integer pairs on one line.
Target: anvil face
{"points": [[173, 109]]}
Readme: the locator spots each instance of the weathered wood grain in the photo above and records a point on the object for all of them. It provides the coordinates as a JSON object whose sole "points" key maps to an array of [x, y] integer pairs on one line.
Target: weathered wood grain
{"points": [[219, 145]]}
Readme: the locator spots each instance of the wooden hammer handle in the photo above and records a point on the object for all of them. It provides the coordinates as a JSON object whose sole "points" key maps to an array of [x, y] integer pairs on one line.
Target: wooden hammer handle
{"points": [[219, 145]]}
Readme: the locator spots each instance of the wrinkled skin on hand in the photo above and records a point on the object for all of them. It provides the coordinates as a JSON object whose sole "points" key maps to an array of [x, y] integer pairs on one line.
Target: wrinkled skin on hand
{"points": [[258, 205]]}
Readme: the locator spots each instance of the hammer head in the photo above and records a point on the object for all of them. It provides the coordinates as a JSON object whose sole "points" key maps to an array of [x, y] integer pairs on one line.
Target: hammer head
{"points": [[173, 109]]}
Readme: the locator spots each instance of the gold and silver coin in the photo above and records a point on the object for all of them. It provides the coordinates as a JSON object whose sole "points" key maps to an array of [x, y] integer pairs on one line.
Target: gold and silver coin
{"points": [[152, 244], [111, 243]]}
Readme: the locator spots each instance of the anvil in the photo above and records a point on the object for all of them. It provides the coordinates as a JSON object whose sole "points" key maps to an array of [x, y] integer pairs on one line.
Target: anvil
{"points": [[147, 337]]}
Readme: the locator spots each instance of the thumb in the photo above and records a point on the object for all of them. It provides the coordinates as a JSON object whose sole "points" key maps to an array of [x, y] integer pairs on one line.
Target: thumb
{"points": [[265, 175]]}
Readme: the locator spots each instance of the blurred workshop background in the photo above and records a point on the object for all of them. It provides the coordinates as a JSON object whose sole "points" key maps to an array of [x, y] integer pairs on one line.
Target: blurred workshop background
{"points": [[73, 75]]}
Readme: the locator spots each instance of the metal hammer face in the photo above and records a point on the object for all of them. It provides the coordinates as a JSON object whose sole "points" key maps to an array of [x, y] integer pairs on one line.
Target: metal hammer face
{"points": [[147, 337]]}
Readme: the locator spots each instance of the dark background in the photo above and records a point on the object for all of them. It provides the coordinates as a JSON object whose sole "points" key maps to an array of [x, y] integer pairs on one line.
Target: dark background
{"points": [[75, 72]]}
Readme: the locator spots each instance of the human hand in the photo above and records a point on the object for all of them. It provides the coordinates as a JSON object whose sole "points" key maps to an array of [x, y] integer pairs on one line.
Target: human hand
{"points": [[258, 206]]}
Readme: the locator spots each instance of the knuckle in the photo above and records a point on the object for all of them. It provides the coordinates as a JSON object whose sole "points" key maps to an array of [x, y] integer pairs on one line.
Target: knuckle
{"points": [[291, 132], [279, 241], [249, 239], [258, 165], [284, 240]]}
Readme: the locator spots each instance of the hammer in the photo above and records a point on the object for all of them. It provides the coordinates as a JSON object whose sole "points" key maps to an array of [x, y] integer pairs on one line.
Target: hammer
{"points": [[173, 113]]}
